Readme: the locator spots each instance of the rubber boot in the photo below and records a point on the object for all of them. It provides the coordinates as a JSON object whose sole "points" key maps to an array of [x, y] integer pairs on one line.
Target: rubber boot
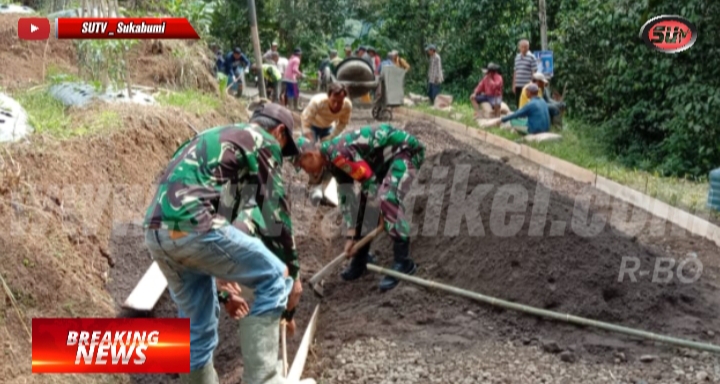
{"points": [[316, 196], [259, 337], [204, 375], [358, 265], [403, 264]]}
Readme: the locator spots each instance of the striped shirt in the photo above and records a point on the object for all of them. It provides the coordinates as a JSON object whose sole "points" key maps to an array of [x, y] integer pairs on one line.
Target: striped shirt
{"points": [[318, 114], [435, 74], [525, 66]]}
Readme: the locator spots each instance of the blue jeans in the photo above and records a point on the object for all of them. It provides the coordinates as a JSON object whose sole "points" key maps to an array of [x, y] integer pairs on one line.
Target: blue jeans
{"points": [[238, 73], [433, 91], [190, 265], [320, 133]]}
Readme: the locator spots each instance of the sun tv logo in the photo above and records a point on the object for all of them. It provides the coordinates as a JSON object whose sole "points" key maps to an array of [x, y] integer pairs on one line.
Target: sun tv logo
{"points": [[669, 34]]}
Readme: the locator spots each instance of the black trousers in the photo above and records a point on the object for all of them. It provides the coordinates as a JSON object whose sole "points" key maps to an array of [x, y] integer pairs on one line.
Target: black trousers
{"points": [[518, 93]]}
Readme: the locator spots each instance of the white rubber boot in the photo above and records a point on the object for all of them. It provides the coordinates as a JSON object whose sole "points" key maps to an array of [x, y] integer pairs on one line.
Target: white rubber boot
{"points": [[259, 336], [204, 375], [316, 195]]}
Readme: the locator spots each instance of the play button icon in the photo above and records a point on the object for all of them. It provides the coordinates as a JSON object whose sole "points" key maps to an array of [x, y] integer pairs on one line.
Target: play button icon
{"points": [[33, 28]]}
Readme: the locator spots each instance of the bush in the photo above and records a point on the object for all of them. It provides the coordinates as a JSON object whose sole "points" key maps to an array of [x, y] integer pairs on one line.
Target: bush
{"points": [[654, 110]]}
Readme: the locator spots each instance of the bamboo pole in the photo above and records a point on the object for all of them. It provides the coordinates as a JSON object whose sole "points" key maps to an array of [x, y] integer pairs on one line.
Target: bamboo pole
{"points": [[545, 313]]}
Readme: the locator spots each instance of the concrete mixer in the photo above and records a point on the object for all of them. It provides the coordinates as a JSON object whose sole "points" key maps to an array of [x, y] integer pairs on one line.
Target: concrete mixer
{"points": [[358, 77]]}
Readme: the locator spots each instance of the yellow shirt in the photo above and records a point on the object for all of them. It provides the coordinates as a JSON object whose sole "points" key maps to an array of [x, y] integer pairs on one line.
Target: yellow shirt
{"points": [[523, 97], [318, 114]]}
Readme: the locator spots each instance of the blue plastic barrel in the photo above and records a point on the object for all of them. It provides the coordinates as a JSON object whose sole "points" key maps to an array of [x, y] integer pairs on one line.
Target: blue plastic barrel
{"points": [[714, 194]]}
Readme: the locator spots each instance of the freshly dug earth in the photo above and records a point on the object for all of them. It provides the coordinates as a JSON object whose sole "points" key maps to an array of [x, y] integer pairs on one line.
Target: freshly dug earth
{"points": [[59, 201], [24, 62]]}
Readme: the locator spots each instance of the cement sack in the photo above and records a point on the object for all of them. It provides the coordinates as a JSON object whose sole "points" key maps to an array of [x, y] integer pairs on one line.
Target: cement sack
{"points": [[443, 101], [486, 111], [408, 102], [543, 137], [418, 98]]}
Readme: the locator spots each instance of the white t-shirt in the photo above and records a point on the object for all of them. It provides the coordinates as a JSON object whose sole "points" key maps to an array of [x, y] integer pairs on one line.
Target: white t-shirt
{"points": [[282, 65]]}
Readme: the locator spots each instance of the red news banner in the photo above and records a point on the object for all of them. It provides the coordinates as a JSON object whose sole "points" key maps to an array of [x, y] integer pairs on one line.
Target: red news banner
{"points": [[124, 28], [95, 345]]}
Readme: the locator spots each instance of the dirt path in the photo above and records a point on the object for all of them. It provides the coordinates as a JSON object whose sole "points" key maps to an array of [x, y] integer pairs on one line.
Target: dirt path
{"points": [[411, 335]]}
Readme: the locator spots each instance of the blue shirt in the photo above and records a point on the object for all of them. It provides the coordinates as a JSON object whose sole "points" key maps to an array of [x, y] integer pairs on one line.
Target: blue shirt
{"points": [[536, 111], [231, 63]]}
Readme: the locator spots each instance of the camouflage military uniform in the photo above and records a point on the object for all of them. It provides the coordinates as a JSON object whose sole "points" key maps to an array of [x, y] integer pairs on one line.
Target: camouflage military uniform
{"points": [[384, 160], [208, 181]]}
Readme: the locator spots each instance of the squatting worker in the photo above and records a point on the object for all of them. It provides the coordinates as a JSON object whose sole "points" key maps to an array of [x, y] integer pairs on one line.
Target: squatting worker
{"points": [[536, 111], [324, 110], [190, 236], [384, 160]]}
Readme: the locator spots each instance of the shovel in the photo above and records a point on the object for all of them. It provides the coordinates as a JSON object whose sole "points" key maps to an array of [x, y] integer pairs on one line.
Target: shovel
{"points": [[331, 266]]}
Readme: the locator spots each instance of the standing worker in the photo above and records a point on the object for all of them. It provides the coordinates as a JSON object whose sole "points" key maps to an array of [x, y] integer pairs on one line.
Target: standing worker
{"points": [[399, 61], [384, 160], [291, 77], [525, 66], [190, 236], [435, 73], [235, 64], [267, 57], [348, 52]]}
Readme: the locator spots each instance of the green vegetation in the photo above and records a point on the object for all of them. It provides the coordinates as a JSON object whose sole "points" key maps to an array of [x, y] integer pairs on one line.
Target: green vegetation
{"points": [[579, 146], [191, 101], [48, 116]]}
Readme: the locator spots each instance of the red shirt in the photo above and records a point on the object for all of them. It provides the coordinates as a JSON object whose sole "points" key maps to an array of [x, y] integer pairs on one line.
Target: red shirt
{"points": [[490, 85]]}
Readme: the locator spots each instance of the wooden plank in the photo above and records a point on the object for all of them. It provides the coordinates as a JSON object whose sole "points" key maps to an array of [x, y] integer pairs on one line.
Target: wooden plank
{"points": [[148, 291], [298, 364]]}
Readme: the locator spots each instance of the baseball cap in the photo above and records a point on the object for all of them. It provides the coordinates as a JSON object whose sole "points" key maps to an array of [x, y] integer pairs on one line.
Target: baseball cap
{"points": [[431, 47], [274, 43], [284, 116], [297, 51], [362, 48], [237, 50], [540, 76]]}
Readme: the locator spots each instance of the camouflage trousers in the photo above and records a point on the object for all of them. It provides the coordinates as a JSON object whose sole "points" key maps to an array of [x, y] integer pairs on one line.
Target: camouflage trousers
{"points": [[396, 183]]}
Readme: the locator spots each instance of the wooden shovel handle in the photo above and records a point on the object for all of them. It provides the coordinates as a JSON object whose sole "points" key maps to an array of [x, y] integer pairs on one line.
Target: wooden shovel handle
{"points": [[338, 260]]}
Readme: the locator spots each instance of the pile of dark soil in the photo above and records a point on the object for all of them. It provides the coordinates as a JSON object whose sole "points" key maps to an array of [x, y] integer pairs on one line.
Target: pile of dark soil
{"points": [[565, 270]]}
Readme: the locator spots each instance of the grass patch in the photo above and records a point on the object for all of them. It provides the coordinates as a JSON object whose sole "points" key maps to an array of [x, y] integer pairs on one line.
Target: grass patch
{"points": [[191, 101], [579, 147], [49, 116]]}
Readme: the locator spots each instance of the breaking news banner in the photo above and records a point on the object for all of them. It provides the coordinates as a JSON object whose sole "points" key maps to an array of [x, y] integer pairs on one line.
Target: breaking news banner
{"points": [[124, 28], [96, 345]]}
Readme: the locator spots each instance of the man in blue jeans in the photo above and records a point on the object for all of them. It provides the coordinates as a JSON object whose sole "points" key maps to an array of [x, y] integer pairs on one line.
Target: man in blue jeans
{"points": [[189, 233]]}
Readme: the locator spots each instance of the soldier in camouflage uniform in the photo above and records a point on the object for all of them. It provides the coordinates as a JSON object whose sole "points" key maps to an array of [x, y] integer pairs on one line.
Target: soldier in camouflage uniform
{"points": [[384, 160], [189, 233]]}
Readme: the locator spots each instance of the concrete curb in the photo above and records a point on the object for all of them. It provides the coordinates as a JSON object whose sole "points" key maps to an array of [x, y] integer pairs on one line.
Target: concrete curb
{"points": [[693, 224]]}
